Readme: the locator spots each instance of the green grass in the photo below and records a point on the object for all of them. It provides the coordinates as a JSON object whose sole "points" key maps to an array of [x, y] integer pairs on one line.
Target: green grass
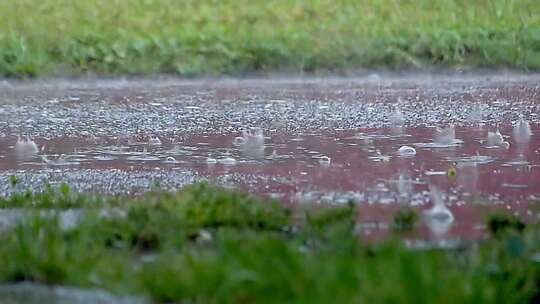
{"points": [[59, 37], [209, 245]]}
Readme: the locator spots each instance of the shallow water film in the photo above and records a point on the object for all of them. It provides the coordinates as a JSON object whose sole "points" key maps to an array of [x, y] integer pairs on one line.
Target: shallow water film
{"points": [[452, 148]]}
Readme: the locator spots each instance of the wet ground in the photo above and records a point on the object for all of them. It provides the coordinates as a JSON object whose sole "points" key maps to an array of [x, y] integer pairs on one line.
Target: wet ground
{"points": [[454, 147], [31, 293]]}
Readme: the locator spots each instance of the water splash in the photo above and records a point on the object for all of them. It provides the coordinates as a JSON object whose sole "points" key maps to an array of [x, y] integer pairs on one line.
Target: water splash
{"points": [[496, 139], [404, 185], [438, 218], [522, 131], [445, 136], [171, 160], [397, 119], [250, 139], [380, 157], [251, 143], [154, 141], [407, 151], [25, 149], [142, 156], [227, 161], [62, 160], [211, 161], [324, 161], [467, 176], [476, 115]]}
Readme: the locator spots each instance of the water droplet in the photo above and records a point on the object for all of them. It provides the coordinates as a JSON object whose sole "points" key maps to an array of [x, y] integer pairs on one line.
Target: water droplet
{"points": [[25, 149], [438, 218], [407, 151], [154, 141], [522, 131], [397, 119], [227, 161], [324, 160], [211, 161], [446, 136]]}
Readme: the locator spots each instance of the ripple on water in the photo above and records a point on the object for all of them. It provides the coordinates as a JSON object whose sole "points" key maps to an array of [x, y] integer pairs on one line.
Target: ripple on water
{"points": [[143, 158], [478, 159], [322, 167], [438, 145]]}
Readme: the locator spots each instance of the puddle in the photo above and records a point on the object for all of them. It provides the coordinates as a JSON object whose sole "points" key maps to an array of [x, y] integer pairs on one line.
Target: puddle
{"points": [[382, 144], [376, 168]]}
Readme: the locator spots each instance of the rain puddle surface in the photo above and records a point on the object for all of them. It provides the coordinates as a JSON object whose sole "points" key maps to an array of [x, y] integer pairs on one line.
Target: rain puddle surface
{"points": [[472, 169], [383, 143]]}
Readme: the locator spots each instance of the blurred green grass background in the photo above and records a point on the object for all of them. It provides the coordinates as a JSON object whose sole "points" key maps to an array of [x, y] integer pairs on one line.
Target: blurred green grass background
{"points": [[189, 38]]}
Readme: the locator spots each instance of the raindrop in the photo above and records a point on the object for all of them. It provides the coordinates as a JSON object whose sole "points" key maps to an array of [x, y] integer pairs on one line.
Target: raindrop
{"points": [[438, 218], [477, 114], [439, 211], [446, 136], [61, 160], [251, 143], [404, 185], [397, 119], [467, 175], [238, 141], [253, 139], [407, 151], [227, 161], [522, 131], [495, 139], [211, 160], [380, 157], [324, 160], [25, 149], [154, 141]]}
